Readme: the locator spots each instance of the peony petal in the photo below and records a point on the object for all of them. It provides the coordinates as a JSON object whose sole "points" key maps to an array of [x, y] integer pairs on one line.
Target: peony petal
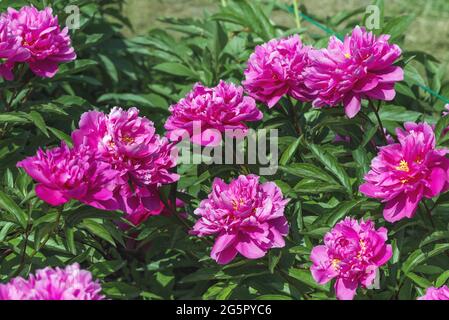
{"points": [[345, 289], [51, 196]]}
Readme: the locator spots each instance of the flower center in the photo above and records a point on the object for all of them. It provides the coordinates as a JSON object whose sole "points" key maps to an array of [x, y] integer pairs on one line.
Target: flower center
{"points": [[236, 204], [127, 139], [335, 263], [403, 166], [347, 55]]}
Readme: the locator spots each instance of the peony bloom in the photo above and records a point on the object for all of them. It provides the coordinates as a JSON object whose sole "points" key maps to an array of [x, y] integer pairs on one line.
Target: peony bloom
{"points": [[42, 37], [206, 112], [247, 217], [433, 293], [352, 253], [405, 172], [359, 68], [70, 283], [11, 50], [276, 69], [63, 174], [130, 144]]}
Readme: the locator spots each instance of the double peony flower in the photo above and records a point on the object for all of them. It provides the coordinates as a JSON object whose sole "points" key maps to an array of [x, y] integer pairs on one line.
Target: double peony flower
{"points": [[70, 283], [118, 162], [205, 113], [352, 253], [246, 216], [344, 73], [35, 38], [360, 67], [403, 173], [276, 69]]}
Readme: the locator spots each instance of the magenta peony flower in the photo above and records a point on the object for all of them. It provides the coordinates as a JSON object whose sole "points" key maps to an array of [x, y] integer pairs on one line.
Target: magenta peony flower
{"points": [[276, 69], [405, 172], [352, 253], [248, 217], [214, 110], [359, 68], [130, 144], [71, 283], [63, 174], [11, 50], [433, 293], [42, 37]]}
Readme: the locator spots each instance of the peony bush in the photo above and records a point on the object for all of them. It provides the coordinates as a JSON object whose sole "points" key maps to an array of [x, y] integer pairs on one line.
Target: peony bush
{"points": [[98, 201]]}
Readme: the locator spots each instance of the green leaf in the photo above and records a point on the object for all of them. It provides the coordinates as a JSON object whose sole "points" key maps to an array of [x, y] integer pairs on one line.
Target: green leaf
{"points": [[105, 268], [305, 277], [273, 259], [442, 279], [13, 118], [419, 256], [126, 98], [61, 136], [98, 230], [38, 121], [109, 66], [420, 281], [176, 69], [442, 124], [331, 164], [289, 152], [9, 205], [273, 297], [307, 170]]}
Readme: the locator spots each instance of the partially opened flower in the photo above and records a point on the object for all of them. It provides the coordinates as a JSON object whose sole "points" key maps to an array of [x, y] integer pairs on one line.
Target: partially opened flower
{"points": [[205, 113], [405, 172], [433, 293], [70, 283], [43, 38], [63, 174], [360, 67], [352, 253], [246, 216], [276, 69], [11, 50]]}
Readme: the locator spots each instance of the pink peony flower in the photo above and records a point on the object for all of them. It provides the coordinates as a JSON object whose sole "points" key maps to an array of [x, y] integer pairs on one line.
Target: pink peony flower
{"points": [[130, 144], [247, 217], [405, 172], [359, 68], [276, 69], [352, 253], [11, 50], [212, 110], [70, 283], [42, 37], [63, 174], [433, 293]]}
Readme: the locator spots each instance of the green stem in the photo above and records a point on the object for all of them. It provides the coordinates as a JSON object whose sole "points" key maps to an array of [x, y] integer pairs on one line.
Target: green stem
{"points": [[295, 116], [429, 214], [379, 121], [296, 10]]}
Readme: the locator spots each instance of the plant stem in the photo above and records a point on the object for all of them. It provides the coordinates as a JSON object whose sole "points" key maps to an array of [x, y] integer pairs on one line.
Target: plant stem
{"points": [[296, 10], [295, 116], [429, 213], [379, 121]]}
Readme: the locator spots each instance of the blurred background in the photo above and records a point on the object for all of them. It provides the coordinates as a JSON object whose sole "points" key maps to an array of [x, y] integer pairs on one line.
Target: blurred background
{"points": [[429, 31]]}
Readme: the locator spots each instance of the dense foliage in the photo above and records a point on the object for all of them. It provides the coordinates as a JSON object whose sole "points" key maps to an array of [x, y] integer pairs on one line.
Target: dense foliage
{"points": [[160, 258]]}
